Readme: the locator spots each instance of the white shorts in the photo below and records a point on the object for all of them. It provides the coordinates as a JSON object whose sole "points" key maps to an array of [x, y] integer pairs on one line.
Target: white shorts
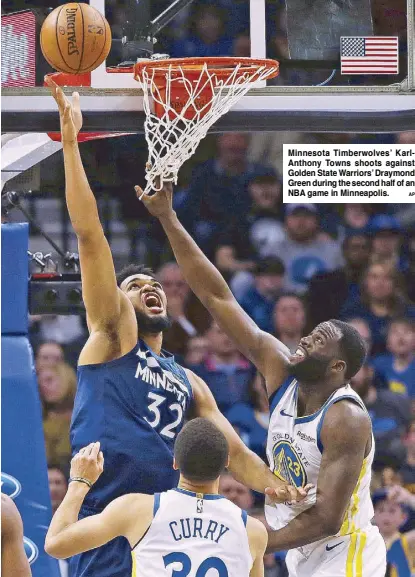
{"points": [[360, 554]]}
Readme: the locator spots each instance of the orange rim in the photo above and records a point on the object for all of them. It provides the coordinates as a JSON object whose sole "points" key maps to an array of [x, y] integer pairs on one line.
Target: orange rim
{"points": [[222, 67]]}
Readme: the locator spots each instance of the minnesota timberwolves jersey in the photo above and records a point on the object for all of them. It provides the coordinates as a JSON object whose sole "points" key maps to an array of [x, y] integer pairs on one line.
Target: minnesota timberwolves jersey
{"points": [[194, 535], [135, 406], [294, 452]]}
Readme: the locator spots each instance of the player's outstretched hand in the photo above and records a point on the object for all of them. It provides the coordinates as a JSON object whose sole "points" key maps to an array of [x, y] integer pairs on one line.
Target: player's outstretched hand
{"points": [[69, 112], [158, 203], [88, 463], [288, 493]]}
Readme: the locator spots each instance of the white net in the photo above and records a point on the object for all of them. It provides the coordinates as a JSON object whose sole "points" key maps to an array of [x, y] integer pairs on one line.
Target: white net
{"points": [[182, 107]]}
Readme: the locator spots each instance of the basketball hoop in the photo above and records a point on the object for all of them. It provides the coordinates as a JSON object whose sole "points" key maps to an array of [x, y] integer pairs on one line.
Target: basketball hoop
{"points": [[183, 97]]}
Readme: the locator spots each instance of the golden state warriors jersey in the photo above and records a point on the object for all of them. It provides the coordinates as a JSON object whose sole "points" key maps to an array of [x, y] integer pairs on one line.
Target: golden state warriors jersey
{"points": [[399, 557], [294, 451], [194, 535]]}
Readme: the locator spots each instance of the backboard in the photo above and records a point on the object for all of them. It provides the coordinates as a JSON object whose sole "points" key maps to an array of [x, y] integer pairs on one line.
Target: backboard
{"points": [[311, 94]]}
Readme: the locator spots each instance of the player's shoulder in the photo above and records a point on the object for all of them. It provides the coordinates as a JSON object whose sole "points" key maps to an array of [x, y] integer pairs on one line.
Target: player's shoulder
{"points": [[346, 421], [257, 533], [11, 520]]}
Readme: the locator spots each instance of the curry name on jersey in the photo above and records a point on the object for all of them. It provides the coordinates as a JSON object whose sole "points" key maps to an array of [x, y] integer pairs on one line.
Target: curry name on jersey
{"points": [[194, 535], [294, 452]]}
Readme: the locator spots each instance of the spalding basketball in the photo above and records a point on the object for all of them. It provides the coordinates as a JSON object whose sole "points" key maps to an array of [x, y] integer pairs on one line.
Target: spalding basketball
{"points": [[75, 38]]}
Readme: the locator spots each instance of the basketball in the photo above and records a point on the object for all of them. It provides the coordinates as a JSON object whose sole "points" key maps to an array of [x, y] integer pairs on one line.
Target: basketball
{"points": [[75, 38]]}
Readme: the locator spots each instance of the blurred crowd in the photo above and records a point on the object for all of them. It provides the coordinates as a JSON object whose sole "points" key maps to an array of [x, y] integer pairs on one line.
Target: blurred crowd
{"points": [[290, 266]]}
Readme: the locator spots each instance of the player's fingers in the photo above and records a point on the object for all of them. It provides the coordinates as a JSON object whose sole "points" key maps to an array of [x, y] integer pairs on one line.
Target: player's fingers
{"points": [[101, 459], [95, 450], [308, 487]]}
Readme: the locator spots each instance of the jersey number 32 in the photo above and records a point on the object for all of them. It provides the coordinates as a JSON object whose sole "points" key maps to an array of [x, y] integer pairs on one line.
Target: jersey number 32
{"points": [[175, 410]]}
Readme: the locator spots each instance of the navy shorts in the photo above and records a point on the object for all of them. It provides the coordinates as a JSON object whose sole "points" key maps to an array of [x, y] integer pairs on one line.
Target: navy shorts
{"points": [[111, 560]]}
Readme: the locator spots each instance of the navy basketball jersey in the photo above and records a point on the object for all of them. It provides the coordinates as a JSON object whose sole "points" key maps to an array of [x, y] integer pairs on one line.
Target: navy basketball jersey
{"points": [[135, 406]]}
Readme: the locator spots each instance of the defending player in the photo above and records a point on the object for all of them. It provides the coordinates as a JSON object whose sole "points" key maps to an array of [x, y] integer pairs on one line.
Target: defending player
{"points": [[14, 562], [319, 432], [131, 394], [189, 530]]}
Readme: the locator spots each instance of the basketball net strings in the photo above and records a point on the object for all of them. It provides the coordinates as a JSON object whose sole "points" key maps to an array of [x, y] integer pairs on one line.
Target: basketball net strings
{"points": [[172, 139]]}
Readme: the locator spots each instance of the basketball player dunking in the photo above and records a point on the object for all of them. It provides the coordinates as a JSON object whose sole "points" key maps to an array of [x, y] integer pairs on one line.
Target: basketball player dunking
{"points": [[189, 530], [319, 432], [131, 394]]}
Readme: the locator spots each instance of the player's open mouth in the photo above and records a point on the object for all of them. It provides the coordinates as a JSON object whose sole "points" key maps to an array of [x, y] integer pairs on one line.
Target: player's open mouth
{"points": [[299, 355], [153, 302]]}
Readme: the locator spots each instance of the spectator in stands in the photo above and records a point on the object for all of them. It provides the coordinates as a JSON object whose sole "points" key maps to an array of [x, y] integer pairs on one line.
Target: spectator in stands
{"points": [[259, 300], [226, 372], [197, 349], [49, 354], [407, 471], [381, 300], [251, 419], [396, 368], [303, 251], [329, 290], [390, 517], [386, 235], [390, 413], [58, 485], [208, 35], [219, 189], [242, 45], [253, 235], [62, 329], [237, 493], [57, 386], [189, 318], [355, 219], [290, 320], [363, 329]]}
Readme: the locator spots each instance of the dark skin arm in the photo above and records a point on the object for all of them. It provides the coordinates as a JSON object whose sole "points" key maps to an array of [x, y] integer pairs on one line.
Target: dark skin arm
{"points": [[14, 562], [344, 451], [267, 353]]}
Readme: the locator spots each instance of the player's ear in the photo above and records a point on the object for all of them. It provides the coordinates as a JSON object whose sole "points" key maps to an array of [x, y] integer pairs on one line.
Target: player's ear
{"points": [[339, 366], [227, 462], [175, 467]]}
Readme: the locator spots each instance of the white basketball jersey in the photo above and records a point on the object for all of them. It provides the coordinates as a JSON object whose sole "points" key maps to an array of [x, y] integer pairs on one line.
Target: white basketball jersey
{"points": [[194, 535], [294, 452]]}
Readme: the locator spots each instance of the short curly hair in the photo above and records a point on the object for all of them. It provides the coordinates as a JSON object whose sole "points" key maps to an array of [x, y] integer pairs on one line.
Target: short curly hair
{"points": [[352, 348], [201, 451], [131, 269]]}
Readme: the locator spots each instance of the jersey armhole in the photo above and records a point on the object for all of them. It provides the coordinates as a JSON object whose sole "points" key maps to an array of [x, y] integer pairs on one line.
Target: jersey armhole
{"points": [[244, 516], [156, 506], [323, 414], [277, 395]]}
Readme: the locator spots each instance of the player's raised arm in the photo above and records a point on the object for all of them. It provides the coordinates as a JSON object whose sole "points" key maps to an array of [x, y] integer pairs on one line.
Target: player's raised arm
{"points": [[14, 562], [99, 286], [128, 516], [268, 354], [344, 450]]}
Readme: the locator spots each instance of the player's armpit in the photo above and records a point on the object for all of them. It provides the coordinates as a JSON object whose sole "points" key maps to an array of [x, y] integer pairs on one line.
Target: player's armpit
{"points": [[14, 562], [128, 516], [345, 435], [258, 538]]}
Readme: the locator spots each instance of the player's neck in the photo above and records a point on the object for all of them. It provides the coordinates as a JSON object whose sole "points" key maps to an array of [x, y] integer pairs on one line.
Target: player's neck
{"points": [[311, 397], [154, 342], [208, 488]]}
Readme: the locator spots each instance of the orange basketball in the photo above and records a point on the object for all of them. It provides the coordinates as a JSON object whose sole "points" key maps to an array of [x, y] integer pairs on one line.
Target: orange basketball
{"points": [[75, 38]]}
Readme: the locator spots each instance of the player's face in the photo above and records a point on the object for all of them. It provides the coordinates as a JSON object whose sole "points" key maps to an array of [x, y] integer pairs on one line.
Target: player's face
{"points": [[315, 357], [389, 517], [149, 301]]}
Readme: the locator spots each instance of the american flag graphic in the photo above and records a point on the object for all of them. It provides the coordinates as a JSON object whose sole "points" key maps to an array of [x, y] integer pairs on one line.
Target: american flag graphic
{"points": [[369, 55]]}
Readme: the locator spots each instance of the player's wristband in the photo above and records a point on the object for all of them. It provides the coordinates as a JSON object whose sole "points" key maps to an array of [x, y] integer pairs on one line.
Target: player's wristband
{"points": [[81, 480]]}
